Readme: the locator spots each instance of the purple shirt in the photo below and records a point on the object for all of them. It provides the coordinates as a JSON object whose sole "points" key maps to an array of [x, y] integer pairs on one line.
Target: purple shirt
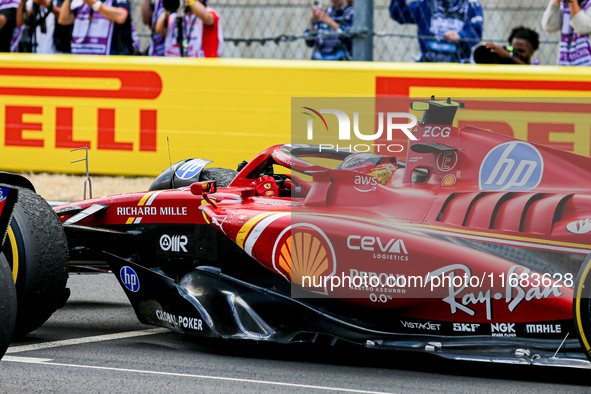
{"points": [[575, 49]]}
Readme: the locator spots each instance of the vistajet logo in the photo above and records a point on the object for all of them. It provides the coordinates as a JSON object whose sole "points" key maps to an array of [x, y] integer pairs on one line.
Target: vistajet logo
{"points": [[386, 123]]}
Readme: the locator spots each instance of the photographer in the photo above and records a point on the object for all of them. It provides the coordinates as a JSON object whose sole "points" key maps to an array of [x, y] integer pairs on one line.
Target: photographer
{"points": [[39, 20], [447, 29], [201, 30], [100, 28], [150, 13], [337, 19], [7, 23], [523, 42], [573, 19]]}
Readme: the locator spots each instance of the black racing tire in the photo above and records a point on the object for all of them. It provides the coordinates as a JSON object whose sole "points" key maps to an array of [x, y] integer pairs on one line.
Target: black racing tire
{"points": [[7, 305], [582, 306], [222, 176], [37, 252]]}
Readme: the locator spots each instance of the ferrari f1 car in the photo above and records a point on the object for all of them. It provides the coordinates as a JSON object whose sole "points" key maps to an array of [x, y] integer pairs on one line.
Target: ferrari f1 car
{"points": [[475, 247]]}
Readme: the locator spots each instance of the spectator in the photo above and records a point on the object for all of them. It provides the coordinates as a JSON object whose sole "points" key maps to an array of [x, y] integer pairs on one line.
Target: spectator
{"points": [[202, 31], [150, 13], [7, 23], [523, 42], [573, 18], [100, 28], [447, 29], [337, 19], [40, 17]]}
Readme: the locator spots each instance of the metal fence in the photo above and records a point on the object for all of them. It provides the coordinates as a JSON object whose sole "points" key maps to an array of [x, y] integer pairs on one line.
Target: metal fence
{"points": [[274, 29]]}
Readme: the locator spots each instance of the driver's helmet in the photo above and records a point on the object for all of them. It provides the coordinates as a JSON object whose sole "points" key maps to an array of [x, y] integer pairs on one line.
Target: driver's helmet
{"points": [[382, 167]]}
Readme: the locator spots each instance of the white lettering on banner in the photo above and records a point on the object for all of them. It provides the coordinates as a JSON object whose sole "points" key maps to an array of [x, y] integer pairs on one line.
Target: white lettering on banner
{"points": [[173, 211], [543, 328], [376, 279], [421, 326], [356, 242], [376, 148], [370, 181], [176, 243], [436, 131], [345, 125], [503, 329], [465, 327], [180, 321], [136, 211], [514, 295], [151, 211]]}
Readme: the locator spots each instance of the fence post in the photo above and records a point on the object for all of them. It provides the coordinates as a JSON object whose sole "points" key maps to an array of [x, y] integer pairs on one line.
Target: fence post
{"points": [[363, 20]]}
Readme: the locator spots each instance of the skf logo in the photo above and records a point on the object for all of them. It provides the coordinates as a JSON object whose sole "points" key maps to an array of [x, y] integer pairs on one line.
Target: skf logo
{"points": [[356, 242], [512, 166], [465, 327], [369, 181], [176, 243], [345, 124]]}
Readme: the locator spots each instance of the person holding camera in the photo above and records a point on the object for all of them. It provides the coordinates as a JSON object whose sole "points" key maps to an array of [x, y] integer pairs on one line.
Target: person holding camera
{"points": [[150, 13], [573, 19], [447, 29], [200, 30], [100, 28], [40, 33], [7, 23], [523, 42], [326, 26]]}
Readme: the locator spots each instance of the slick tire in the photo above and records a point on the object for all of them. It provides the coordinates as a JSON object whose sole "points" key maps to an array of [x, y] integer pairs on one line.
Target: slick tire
{"points": [[582, 306], [222, 176], [37, 252], [7, 305]]}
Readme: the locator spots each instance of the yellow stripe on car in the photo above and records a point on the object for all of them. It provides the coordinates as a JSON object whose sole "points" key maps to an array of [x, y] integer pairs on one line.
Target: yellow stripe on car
{"points": [[14, 253]]}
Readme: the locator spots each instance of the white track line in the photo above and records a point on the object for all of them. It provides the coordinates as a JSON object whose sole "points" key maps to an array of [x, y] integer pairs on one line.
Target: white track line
{"points": [[78, 341], [186, 375]]}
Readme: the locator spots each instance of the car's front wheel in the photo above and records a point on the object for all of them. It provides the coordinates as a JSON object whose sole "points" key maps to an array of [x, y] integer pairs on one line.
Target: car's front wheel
{"points": [[37, 252], [582, 306], [7, 305]]}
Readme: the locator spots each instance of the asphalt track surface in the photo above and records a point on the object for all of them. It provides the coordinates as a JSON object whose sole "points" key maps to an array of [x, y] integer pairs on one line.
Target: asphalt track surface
{"points": [[96, 345]]}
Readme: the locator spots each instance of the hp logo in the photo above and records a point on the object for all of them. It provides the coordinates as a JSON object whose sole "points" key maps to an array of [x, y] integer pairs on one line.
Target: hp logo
{"points": [[512, 166], [190, 168], [129, 278]]}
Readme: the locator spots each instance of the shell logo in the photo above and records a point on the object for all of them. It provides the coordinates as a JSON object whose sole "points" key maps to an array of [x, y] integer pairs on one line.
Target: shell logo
{"points": [[448, 180], [304, 255]]}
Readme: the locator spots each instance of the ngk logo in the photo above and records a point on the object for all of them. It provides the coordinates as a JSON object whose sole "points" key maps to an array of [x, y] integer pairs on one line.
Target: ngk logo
{"points": [[503, 327], [174, 243]]}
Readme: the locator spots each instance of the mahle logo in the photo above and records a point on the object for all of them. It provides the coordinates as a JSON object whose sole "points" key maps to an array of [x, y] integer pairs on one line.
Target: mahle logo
{"points": [[385, 123]]}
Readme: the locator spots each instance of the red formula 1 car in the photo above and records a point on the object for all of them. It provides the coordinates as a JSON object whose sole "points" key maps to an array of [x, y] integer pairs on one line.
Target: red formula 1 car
{"points": [[476, 247]]}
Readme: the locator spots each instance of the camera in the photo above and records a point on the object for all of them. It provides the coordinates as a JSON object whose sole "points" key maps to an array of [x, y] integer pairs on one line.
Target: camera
{"points": [[483, 55], [318, 3], [171, 5]]}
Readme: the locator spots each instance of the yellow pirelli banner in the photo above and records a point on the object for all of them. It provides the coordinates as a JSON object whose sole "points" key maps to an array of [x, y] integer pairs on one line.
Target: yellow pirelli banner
{"points": [[131, 111]]}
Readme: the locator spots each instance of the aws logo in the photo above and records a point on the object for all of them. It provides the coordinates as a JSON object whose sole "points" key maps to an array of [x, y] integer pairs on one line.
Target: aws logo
{"points": [[385, 123], [365, 183]]}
